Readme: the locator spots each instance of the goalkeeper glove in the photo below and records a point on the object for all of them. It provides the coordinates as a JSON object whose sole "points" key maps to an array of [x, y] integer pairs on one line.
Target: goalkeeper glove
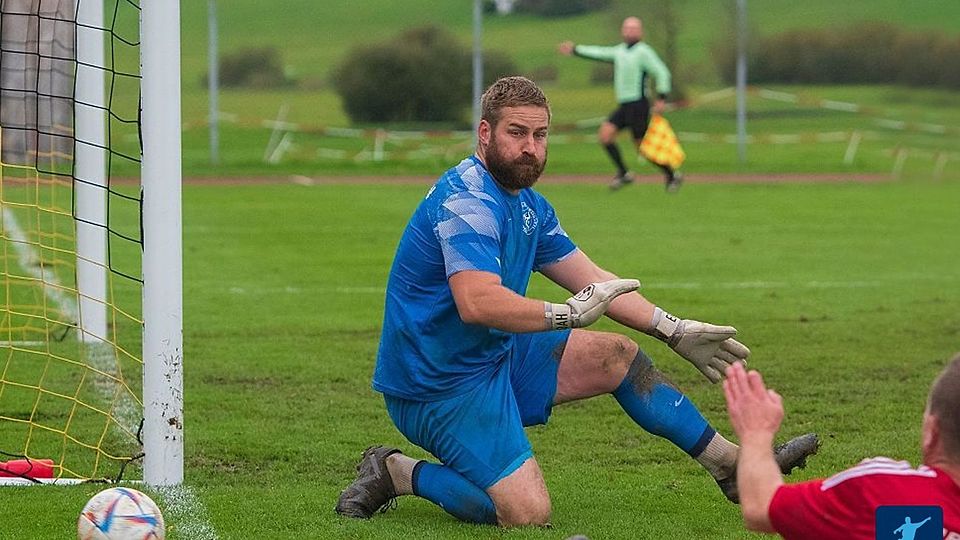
{"points": [[709, 347], [588, 305]]}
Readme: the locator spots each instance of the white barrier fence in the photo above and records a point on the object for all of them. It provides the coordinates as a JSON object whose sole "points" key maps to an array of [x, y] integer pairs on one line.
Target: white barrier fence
{"points": [[448, 144]]}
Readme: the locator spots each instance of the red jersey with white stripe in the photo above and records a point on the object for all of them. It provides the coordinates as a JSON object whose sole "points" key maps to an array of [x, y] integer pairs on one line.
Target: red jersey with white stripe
{"points": [[843, 506]]}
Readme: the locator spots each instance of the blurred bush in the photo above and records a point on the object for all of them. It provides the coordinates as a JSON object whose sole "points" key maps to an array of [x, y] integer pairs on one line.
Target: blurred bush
{"points": [[559, 8], [601, 73], [424, 74], [950, 48], [259, 67], [868, 53], [496, 64], [544, 74]]}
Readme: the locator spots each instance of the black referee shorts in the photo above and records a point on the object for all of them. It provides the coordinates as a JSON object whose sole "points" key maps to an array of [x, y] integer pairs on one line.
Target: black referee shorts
{"points": [[633, 114]]}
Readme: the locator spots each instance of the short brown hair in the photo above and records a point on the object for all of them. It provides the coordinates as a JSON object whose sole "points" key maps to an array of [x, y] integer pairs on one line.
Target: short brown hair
{"points": [[944, 403], [513, 91]]}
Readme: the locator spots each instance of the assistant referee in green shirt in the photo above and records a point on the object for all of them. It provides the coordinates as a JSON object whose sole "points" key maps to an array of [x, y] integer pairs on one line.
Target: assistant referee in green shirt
{"points": [[633, 61]]}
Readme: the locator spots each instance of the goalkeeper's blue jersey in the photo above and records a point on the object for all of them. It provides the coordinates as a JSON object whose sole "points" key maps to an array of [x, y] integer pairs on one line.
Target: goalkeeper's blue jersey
{"points": [[466, 222]]}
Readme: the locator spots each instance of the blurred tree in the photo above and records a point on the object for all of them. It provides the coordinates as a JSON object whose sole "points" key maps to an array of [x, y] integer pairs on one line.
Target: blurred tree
{"points": [[666, 15], [252, 67], [422, 75], [559, 8], [867, 53]]}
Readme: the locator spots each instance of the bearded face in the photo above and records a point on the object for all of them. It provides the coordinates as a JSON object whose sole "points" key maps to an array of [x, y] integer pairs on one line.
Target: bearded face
{"points": [[513, 173]]}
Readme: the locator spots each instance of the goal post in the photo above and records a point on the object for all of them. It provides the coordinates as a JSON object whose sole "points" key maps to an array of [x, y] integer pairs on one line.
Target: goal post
{"points": [[90, 170], [91, 316], [162, 243]]}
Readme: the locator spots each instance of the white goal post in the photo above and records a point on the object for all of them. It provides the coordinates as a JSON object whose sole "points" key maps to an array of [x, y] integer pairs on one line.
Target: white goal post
{"points": [[91, 167], [162, 243], [70, 283]]}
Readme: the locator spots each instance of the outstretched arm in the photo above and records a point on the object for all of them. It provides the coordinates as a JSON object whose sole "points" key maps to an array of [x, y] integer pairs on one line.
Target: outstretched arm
{"points": [[709, 347], [482, 299], [576, 271], [590, 52], [755, 414]]}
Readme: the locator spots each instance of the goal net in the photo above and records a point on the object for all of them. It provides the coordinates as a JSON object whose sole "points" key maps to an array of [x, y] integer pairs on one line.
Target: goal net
{"points": [[71, 239]]}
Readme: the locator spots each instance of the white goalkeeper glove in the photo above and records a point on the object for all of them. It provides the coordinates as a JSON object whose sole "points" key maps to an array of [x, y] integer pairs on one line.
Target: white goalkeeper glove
{"points": [[709, 347], [588, 305]]}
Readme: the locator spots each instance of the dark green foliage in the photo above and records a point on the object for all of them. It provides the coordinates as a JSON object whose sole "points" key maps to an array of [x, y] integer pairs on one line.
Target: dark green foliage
{"points": [[544, 73], [601, 73], [259, 67], [424, 74], [498, 64], [868, 53], [560, 8], [949, 48]]}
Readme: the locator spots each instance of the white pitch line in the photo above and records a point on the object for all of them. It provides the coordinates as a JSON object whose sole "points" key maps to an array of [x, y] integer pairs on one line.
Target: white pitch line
{"points": [[29, 261], [767, 285], [99, 355], [361, 290], [184, 508], [13, 481], [180, 502], [756, 284]]}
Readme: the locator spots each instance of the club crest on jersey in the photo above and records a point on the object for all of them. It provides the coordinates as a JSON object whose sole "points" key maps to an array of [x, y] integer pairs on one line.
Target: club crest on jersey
{"points": [[530, 220]]}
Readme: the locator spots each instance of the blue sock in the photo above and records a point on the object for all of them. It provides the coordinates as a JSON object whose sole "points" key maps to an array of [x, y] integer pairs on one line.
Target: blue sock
{"points": [[449, 490], [661, 409]]}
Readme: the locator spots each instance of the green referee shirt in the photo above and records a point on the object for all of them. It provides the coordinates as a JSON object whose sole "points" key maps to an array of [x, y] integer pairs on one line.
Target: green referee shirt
{"points": [[631, 64]]}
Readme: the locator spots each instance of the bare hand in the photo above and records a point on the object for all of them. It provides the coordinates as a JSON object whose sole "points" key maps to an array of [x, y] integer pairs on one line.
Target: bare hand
{"points": [[659, 106], [755, 411], [565, 48]]}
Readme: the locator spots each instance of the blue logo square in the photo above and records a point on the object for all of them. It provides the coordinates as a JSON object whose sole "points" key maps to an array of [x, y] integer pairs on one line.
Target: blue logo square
{"points": [[909, 523]]}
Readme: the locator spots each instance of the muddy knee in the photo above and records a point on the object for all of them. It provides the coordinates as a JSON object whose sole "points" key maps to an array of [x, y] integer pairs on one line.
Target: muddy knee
{"points": [[642, 375], [622, 357], [521, 498], [524, 510]]}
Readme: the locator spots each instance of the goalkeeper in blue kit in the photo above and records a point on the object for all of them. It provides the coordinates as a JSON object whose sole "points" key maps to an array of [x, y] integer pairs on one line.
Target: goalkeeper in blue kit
{"points": [[466, 359]]}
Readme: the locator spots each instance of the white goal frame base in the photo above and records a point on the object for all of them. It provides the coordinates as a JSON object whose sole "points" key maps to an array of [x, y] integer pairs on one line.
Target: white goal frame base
{"points": [[14, 481]]}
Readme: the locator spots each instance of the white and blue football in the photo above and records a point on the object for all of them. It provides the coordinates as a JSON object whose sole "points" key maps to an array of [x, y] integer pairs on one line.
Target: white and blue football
{"points": [[120, 513]]}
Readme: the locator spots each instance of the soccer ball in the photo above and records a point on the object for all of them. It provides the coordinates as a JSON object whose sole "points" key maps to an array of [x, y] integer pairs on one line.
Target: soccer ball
{"points": [[120, 513]]}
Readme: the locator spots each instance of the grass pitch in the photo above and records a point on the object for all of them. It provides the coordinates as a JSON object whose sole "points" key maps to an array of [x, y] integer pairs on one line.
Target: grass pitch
{"points": [[846, 293]]}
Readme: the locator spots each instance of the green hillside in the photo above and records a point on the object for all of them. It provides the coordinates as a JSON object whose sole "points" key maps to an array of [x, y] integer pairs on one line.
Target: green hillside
{"points": [[313, 36]]}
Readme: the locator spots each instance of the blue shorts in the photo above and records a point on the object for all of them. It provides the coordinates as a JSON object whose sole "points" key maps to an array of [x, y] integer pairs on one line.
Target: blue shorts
{"points": [[480, 433]]}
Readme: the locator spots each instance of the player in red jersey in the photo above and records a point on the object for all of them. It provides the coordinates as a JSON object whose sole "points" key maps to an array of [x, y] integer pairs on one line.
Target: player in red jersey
{"points": [[844, 506]]}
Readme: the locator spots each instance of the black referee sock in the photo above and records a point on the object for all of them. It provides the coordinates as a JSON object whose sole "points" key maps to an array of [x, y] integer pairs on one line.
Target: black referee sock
{"points": [[667, 170], [614, 152]]}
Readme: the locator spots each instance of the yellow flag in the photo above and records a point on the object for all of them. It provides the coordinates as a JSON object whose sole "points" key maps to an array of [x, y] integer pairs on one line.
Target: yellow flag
{"points": [[660, 144]]}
